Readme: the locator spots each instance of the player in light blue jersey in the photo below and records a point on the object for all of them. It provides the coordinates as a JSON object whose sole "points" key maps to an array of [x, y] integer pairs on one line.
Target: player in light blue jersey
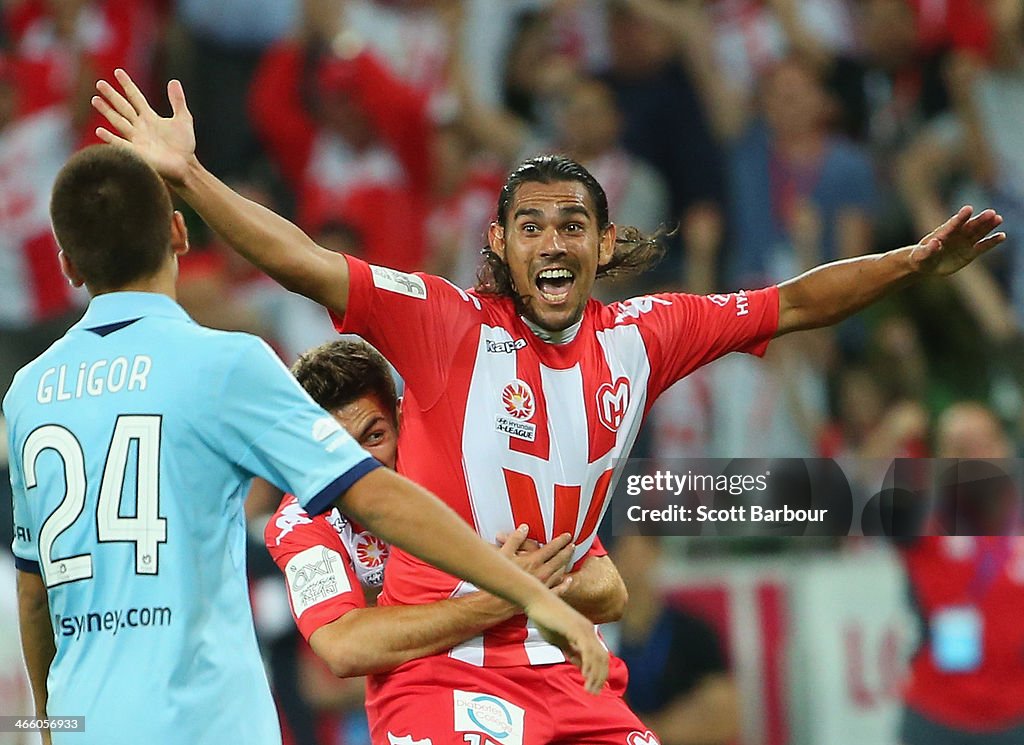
{"points": [[132, 441]]}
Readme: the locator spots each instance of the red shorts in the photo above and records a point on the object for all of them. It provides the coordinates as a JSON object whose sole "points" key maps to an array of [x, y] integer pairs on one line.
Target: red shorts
{"points": [[442, 701]]}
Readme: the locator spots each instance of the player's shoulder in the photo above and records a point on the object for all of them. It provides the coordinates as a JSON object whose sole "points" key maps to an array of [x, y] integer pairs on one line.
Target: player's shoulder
{"points": [[635, 309], [230, 350], [230, 343], [22, 391]]}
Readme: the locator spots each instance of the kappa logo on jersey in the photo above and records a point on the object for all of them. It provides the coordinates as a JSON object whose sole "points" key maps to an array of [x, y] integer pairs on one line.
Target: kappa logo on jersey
{"points": [[407, 740], [612, 402], [518, 400], [371, 551], [313, 576], [637, 306], [291, 515], [505, 347], [493, 716], [336, 519], [399, 282], [642, 738]]}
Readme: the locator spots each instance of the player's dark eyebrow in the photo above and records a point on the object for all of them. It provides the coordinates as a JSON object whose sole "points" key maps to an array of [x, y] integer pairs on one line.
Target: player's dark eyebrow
{"points": [[374, 421], [573, 209], [528, 212]]}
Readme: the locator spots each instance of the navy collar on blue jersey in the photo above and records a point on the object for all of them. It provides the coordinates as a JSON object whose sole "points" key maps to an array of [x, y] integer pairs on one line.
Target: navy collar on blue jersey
{"points": [[113, 307]]}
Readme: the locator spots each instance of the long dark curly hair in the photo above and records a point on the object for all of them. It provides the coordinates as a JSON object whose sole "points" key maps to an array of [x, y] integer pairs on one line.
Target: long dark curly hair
{"points": [[634, 252]]}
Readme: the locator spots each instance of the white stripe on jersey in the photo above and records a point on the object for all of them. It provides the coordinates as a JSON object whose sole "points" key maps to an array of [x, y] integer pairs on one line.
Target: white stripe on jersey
{"points": [[470, 651]]}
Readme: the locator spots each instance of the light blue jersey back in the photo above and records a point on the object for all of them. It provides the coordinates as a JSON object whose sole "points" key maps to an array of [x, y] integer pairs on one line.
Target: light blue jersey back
{"points": [[132, 443]]}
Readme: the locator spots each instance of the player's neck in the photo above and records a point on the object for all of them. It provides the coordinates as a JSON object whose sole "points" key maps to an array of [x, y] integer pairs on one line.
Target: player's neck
{"points": [[564, 336], [161, 283]]}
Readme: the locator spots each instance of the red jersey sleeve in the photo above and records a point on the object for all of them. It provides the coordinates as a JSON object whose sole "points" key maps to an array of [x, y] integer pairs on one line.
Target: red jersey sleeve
{"points": [[415, 320], [318, 572], [683, 332]]}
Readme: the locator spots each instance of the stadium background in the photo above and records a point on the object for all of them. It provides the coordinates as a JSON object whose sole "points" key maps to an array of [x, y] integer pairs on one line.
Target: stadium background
{"points": [[776, 134]]}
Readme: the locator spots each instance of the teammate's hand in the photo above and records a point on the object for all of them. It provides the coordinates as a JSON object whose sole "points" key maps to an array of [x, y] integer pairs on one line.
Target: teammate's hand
{"points": [[168, 144], [957, 242], [573, 634], [549, 562]]}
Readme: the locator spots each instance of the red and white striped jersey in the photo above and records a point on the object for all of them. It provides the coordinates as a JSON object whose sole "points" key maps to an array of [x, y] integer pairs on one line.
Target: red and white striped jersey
{"points": [[508, 429]]}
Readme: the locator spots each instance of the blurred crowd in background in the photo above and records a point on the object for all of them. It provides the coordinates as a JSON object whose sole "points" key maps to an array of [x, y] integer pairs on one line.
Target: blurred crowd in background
{"points": [[769, 135]]}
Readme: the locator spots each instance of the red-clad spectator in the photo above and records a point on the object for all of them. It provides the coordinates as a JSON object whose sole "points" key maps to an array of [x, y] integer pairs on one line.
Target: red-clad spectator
{"points": [[963, 25], [63, 46], [872, 424], [967, 678], [462, 205], [36, 303], [358, 152]]}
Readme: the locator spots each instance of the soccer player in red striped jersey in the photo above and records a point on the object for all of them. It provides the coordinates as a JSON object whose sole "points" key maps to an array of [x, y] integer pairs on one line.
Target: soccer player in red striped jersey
{"points": [[331, 563], [520, 395]]}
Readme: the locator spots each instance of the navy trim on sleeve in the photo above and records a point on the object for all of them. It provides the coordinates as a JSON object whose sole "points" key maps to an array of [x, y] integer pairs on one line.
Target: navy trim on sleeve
{"points": [[324, 499], [27, 566]]}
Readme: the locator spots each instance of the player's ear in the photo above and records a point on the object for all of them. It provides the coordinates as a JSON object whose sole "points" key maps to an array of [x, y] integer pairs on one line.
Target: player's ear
{"points": [[75, 278], [496, 239], [398, 411], [179, 234], [606, 248]]}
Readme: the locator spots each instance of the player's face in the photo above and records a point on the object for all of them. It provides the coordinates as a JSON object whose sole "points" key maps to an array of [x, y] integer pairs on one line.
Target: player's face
{"points": [[553, 245], [372, 426]]}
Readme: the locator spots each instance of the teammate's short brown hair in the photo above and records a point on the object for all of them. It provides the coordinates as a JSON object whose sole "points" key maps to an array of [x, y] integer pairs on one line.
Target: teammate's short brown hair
{"points": [[337, 373]]}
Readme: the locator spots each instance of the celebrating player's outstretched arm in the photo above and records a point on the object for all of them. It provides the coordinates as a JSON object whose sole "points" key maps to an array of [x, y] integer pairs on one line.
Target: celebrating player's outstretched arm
{"points": [[832, 292], [269, 241]]}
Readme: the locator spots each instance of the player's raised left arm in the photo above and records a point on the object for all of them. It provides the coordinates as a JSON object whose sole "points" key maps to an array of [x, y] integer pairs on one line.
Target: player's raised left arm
{"points": [[36, 634], [275, 245], [835, 291]]}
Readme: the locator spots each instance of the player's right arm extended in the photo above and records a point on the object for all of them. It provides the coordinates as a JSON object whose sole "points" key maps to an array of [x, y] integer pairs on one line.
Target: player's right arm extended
{"points": [[277, 246], [36, 634], [272, 243], [364, 641], [411, 518]]}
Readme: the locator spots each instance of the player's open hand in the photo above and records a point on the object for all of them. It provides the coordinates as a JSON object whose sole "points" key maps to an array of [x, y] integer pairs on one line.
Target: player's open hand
{"points": [[548, 562], [957, 242], [168, 144], [574, 635]]}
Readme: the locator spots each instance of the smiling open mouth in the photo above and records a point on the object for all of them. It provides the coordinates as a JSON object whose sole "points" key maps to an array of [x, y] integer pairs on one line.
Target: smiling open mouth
{"points": [[555, 284]]}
